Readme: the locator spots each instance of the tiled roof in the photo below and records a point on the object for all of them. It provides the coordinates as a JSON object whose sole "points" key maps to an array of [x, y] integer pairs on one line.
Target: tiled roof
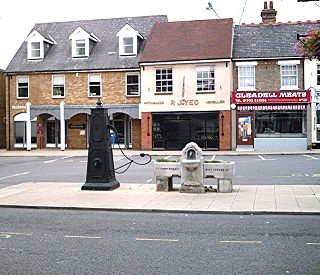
{"points": [[104, 55], [189, 40], [271, 40]]}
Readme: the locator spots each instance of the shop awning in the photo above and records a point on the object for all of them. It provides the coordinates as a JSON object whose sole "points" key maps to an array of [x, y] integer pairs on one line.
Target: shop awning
{"points": [[271, 107]]}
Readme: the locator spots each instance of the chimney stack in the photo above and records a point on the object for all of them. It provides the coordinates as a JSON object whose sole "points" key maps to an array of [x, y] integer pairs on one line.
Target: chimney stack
{"points": [[268, 14]]}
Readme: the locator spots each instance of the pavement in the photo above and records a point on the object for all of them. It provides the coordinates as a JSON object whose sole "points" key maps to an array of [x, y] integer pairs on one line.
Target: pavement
{"points": [[244, 199]]}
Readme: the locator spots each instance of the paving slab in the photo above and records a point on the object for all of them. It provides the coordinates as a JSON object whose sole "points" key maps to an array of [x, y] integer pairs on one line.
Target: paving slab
{"points": [[144, 197]]}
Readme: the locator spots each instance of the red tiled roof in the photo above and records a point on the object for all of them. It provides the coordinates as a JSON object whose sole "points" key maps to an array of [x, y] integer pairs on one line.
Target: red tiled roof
{"points": [[189, 40]]}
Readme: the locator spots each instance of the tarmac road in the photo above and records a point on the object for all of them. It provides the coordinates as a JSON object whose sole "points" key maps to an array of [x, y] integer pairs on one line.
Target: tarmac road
{"points": [[250, 170], [94, 242]]}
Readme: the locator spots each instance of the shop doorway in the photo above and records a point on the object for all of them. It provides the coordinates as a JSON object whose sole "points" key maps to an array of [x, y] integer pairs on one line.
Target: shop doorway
{"points": [[178, 132], [52, 133], [245, 129]]}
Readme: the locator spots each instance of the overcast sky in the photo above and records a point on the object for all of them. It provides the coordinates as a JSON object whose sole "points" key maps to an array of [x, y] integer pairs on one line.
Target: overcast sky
{"points": [[17, 17]]}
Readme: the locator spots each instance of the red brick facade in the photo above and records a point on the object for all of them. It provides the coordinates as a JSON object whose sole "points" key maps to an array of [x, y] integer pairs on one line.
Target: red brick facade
{"points": [[146, 131], [225, 130]]}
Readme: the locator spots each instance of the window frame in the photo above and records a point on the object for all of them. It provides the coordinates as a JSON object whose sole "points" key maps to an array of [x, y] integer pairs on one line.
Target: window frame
{"points": [[64, 86], [138, 83], [35, 50], [210, 69], [162, 80], [100, 86], [17, 87], [76, 48], [253, 78], [287, 63], [124, 45]]}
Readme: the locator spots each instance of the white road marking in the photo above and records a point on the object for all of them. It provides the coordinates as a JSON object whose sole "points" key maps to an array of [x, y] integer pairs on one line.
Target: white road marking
{"points": [[249, 242], [84, 161], [262, 158], [282, 176], [313, 243], [16, 233], [310, 157], [50, 161], [167, 157], [15, 175], [82, 237], [213, 157], [149, 180], [67, 157], [156, 240], [6, 236], [316, 175]]}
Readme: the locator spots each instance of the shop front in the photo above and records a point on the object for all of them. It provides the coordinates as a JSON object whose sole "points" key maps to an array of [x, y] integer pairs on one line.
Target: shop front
{"points": [[172, 131], [276, 120]]}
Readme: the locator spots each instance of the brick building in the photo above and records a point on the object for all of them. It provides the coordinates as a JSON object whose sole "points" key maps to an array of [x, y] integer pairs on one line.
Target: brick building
{"points": [[186, 79], [60, 71], [2, 110], [271, 104]]}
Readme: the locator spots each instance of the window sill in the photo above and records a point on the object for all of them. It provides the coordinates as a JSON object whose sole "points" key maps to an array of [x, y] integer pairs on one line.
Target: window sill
{"points": [[289, 88], [22, 97], [205, 92], [94, 96], [163, 93], [240, 89], [132, 95], [57, 97]]}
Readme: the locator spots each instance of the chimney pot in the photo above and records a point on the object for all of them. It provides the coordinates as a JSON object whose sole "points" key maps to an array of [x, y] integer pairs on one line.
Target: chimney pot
{"points": [[271, 5], [265, 5]]}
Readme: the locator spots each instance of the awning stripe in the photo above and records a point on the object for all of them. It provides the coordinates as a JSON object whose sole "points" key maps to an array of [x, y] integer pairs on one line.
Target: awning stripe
{"points": [[270, 107]]}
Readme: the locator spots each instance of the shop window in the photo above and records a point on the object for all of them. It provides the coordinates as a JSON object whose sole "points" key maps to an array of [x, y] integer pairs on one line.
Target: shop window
{"points": [[289, 76], [318, 74], [246, 77], [94, 85], [22, 87], [58, 86], [280, 123], [132, 84], [205, 78], [20, 134], [164, 80]]}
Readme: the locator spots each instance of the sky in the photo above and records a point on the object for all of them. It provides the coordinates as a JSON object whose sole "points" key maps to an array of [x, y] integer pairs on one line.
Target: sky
{"points": [[17, 17]]}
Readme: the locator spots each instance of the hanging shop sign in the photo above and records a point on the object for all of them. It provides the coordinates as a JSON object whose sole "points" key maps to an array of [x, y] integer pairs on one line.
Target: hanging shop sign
{"points": [[271, 97]]}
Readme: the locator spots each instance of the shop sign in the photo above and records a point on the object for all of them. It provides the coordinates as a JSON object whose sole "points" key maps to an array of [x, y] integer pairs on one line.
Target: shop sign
{"points": [[77, 126], [271, 97], [184, 102], [19, 107]]}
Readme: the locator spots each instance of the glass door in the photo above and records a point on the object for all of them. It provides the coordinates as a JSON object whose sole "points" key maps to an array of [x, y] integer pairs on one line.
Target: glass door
{"points": [[245, 129]]}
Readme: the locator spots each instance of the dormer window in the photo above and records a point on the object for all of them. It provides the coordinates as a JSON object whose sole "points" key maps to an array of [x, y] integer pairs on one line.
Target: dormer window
{"points": [[80, 47], [38, 45], [82, 42], [128, 41], [128, 45], [35, 50]]}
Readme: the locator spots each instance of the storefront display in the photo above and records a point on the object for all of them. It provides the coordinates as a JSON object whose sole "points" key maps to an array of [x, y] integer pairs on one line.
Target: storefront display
{"points": [[272, 120]]}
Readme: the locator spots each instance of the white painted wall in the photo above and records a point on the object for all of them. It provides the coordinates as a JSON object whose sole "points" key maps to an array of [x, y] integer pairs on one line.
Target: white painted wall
{"points": [[310, 82], [192, 101]]}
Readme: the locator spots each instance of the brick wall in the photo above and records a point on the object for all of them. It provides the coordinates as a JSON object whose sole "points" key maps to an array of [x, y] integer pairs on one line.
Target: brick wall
{"points": [[76, 93], [75, 139], [225, 130], [2, 110], [268, 76], [136, 134], [146, 131]]}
